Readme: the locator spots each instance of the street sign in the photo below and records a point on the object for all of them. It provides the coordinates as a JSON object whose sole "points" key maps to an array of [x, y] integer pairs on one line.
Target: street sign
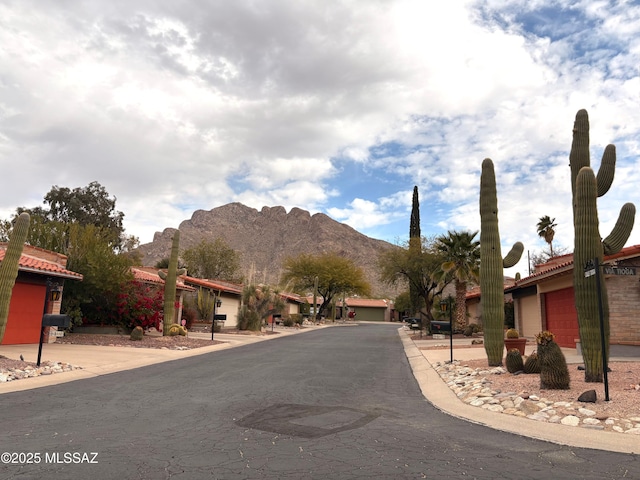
{"points": [[588, 273], [619, 271]]}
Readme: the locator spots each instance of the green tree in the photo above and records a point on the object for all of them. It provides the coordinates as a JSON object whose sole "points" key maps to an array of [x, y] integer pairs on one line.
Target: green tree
{"points": [[258, 303], [418, 269], [336, 275], [546, 229], [90, 205], [415, 245], [461, 254], [106, 274], [214, 260]]}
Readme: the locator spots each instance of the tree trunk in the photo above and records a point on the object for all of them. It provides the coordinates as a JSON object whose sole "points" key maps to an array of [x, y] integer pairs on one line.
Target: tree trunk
{"points": [[461, 307]]}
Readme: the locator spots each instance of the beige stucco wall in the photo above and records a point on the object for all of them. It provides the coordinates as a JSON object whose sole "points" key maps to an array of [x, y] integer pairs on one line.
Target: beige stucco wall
{"points": [[293, 308], [229, 307], [473, 310], [528, 316], [565, 281]]}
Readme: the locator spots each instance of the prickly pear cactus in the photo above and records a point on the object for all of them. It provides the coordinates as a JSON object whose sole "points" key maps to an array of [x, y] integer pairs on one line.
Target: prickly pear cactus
{"points": [[9, 267], [554, 373], [586, 187], [513, 361], [492, 266]]}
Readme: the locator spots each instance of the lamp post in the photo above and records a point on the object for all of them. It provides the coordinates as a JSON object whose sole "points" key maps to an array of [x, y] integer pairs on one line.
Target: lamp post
{"points": [[216, 305], [445, 305]]}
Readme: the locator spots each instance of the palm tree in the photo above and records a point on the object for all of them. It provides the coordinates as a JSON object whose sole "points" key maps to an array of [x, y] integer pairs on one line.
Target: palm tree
{"points": [[461, 254], [546, 230]]}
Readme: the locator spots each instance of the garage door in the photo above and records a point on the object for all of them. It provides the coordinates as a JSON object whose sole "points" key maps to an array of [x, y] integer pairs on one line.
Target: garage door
{"points": [[562, 318]]}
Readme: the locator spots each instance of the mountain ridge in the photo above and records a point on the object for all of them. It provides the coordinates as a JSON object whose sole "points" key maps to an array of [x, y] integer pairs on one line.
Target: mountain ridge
{"points": [[264, 238]]}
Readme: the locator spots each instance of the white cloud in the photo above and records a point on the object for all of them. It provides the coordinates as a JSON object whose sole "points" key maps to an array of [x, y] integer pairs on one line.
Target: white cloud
{"points": [[268, 104]]}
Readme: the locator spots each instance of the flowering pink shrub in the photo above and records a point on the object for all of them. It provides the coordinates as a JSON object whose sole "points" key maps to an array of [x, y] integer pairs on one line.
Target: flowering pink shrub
{"points": [[140, 305]]}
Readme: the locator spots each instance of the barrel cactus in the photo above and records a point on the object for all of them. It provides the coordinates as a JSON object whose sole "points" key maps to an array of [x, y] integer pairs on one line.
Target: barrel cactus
{"points": [[554, 373], [586, 187], [532, 364], [136, 334], [512, 333], [492, 265], [513, 361], [9, 267]]}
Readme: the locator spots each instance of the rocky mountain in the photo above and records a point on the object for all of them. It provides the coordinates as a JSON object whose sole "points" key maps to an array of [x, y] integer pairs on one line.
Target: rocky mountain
{"points": [[265, 238]]}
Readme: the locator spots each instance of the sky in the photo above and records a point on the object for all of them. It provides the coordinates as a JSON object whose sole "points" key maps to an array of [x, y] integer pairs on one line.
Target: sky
{"points": [[337, 107]]}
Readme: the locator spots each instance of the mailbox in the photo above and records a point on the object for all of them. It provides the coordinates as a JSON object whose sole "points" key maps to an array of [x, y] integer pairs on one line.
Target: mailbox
{"points": [[50, 320], [440, 327]]}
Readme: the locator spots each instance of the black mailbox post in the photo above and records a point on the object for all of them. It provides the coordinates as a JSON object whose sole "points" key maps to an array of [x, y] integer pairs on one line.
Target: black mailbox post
{"points": [[50, 320]]}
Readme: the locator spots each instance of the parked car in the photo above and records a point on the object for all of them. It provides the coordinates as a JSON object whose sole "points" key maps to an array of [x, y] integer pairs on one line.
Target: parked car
{"points": [[413, 323]]}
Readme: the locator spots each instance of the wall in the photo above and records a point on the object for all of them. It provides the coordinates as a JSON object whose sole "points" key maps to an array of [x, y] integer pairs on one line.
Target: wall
{"points": [[624, 309], [25, 314], [528, 316]]}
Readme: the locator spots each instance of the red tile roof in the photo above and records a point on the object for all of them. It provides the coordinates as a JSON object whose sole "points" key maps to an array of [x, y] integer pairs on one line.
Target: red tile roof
{"points": [[150, 275], [565, 265], [366, 302], [33, 264], [213, 284]]}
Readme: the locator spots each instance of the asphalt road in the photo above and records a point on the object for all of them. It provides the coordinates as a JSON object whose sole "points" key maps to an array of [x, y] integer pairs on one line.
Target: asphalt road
{"points": [[338, 403]]}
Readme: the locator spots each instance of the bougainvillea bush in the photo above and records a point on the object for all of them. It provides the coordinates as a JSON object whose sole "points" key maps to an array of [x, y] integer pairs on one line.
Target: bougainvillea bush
{"points": [[140, 305]]}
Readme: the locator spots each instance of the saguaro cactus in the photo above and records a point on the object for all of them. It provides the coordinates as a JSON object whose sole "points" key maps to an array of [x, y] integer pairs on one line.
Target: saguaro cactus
{"points": [[170, 280], [586, 187], [9, 267], [492, 265]]}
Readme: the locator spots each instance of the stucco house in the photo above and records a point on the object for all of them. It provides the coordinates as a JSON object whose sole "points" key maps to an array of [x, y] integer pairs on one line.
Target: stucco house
{"points": [[545, 300], [36, 267], [369, 309], [228, 293]]}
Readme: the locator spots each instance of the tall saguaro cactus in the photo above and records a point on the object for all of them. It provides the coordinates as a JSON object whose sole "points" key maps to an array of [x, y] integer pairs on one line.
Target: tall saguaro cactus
{"points": [[492, 265], [586, 187], [170, 280], [9, 267]]}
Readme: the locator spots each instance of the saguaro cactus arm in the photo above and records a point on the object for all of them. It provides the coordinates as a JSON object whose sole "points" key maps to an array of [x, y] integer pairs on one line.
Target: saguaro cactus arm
{"points": [[514, 255], [621, 231], [9, 267], [607, 170]]}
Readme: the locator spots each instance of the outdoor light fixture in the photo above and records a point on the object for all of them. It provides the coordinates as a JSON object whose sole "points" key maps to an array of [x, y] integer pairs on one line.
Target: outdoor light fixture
{"points": [[54, 292]]}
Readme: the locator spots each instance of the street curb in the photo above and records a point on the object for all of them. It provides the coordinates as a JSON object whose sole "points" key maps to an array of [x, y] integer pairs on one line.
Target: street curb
{"points": [[444, 399]]}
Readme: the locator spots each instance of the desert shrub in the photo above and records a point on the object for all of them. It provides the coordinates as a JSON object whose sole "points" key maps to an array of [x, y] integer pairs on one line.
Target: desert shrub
{"points": [[140, 305], [471, 329], [288, 322]]}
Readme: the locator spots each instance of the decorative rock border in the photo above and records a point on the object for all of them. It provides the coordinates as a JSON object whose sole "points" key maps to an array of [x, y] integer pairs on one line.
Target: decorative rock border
{"points": [[29, 371], [472, 387]]}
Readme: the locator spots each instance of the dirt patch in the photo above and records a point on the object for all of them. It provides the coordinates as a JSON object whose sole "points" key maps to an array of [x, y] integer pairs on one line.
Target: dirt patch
{"points": [[177, 342]]}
